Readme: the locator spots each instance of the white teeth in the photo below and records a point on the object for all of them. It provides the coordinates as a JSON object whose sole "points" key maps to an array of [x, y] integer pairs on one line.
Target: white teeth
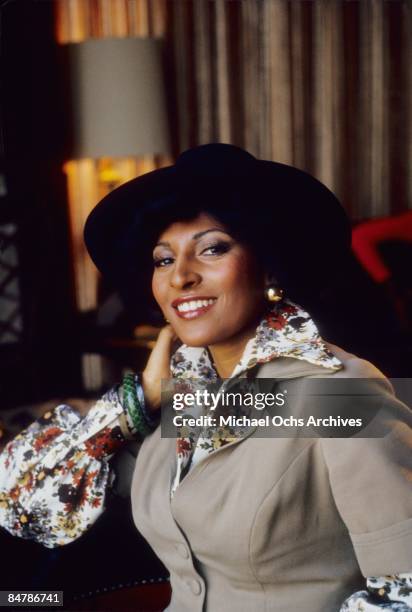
{"points": [[194, 304]]}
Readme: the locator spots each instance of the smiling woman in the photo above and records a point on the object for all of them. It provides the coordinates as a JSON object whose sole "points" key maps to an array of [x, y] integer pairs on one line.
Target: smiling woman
{"points": [[227, 246], [209, 287]]}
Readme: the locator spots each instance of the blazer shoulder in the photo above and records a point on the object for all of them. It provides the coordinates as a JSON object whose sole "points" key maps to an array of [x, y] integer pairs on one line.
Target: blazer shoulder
{"points": [[356, 367]]}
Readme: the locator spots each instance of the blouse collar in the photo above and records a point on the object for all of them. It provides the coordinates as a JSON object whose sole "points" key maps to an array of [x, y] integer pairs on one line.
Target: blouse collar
{"points": [[286, 330]]}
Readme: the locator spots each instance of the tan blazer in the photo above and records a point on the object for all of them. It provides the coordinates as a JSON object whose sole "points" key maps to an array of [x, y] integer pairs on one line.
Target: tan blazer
{"points": [[286, 524]]}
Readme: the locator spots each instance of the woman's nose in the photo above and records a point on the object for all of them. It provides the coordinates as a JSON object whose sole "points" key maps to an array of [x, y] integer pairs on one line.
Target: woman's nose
{"points": [[184, 275]]}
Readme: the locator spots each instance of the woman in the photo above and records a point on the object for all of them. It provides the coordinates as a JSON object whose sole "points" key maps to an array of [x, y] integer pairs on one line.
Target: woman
{"points": [[241, 522]]}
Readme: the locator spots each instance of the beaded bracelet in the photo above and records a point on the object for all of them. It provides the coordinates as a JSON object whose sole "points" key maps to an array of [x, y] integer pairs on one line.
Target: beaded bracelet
{"points": [[151, 418], [135, 407], [132, 405]]}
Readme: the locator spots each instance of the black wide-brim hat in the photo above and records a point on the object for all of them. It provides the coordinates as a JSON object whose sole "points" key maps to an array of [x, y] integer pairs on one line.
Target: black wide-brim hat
{"points": [[296, 226]]}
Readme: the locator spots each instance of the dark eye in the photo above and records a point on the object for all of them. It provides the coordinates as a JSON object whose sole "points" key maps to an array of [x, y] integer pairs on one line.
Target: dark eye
{"points": [[164, 261], [217, 249]]}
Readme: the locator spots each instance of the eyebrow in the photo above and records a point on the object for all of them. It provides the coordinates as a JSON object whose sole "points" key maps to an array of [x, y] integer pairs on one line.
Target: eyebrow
{"points": [[195, 236]]}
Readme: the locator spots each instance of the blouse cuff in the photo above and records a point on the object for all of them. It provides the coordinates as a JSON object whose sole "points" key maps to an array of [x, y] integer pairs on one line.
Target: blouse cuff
{"points": [[383, 593], [395, 588]]}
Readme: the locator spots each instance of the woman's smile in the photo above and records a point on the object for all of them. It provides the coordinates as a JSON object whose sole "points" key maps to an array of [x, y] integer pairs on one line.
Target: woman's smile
{"points": [[191, 307]]}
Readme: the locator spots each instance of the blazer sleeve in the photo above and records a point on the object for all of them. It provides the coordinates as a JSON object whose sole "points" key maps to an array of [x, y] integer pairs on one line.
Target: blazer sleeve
{"points": [[371, 481], [55, 475]]}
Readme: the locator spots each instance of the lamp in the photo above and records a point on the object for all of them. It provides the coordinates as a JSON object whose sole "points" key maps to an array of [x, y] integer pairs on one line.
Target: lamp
{"points": [[119, 123], [118, 98], [118, 109]]}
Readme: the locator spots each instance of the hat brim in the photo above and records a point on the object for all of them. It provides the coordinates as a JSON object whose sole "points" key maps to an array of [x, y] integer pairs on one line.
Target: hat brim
{"points": [[297, 224]]}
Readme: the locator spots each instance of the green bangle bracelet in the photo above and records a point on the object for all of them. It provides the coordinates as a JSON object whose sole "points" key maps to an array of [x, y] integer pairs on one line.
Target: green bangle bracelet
{"points": [[132, 405]]}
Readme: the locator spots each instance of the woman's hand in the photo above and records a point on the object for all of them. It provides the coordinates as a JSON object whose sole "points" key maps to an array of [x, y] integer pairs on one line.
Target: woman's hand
{"points": [[158, 367]]}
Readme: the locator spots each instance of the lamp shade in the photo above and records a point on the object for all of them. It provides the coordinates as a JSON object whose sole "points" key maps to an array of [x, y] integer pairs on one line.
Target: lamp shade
{"points": [[118, 98]]}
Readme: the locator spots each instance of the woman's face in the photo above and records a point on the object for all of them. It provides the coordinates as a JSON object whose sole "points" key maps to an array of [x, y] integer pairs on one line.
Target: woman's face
{"points": [[208, 285]]}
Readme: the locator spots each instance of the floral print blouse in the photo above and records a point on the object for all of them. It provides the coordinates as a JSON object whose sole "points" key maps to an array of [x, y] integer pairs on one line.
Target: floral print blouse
{"points": [[55, 475]]}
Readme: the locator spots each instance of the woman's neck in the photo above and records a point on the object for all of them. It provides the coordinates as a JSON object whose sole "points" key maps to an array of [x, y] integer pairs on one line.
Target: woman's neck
{"points": [[226, 355]]}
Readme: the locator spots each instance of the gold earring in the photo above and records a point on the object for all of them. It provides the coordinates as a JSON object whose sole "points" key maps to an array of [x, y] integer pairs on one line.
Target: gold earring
{"points": [[273, 293]]}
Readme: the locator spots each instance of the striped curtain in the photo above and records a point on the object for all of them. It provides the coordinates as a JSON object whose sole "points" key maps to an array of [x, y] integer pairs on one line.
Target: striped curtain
{"points": [[324, 84]]}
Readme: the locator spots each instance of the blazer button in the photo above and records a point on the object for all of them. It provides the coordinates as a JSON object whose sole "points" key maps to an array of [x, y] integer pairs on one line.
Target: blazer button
{"points": [[195, 587], [182, 551]]}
